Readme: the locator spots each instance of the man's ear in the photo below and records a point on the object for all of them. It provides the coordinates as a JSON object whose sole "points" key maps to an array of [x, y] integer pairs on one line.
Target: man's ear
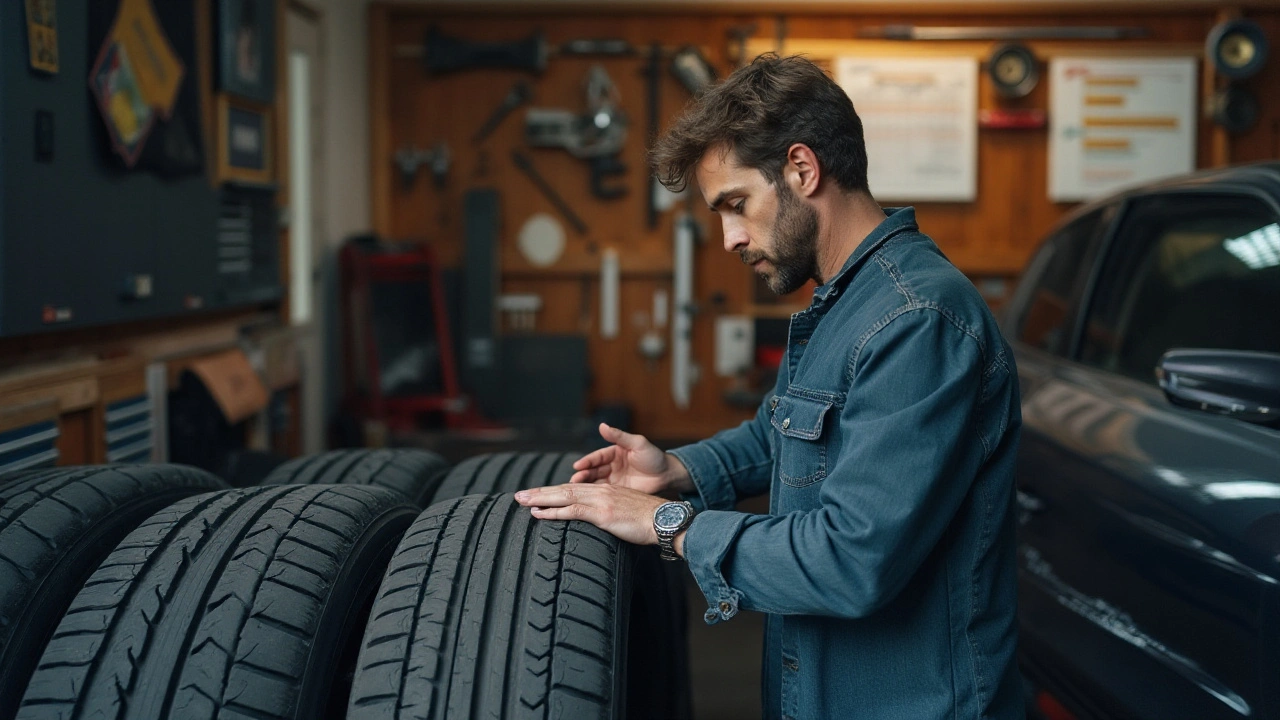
{"points": [[802, 172]]}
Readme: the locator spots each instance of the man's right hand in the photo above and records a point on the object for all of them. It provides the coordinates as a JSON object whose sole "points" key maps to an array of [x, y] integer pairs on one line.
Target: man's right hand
{"points": [[633, 462]]}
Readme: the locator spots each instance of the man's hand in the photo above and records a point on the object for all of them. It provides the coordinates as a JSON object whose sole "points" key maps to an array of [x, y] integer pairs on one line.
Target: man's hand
{"points": [[632, 462], [622, 512]]}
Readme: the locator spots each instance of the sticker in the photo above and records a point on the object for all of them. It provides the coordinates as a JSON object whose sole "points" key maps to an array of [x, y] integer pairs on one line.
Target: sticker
{"points": [[51, 314], [128, 117], [42, 34]]}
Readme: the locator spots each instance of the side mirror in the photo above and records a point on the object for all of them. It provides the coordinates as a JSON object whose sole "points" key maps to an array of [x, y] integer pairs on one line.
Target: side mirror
{"points": [[1238, 383]]}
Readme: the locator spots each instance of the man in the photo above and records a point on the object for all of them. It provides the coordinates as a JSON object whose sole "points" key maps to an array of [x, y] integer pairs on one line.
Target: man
{"points": [[886, 562]]}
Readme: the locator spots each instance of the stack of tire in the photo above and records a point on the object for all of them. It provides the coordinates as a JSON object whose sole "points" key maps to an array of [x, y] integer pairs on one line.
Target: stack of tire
{"points": [[153, 591]]}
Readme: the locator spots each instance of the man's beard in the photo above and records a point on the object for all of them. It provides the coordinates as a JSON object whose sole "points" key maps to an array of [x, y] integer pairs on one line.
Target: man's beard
{"points": [[795, 245]]}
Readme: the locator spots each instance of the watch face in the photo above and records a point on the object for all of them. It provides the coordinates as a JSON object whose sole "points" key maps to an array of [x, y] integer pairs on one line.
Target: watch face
{"points": [[670, 515]]}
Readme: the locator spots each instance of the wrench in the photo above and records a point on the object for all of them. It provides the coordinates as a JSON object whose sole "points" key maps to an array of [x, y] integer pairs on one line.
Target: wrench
{"points": [[525, 165], [519, 94]]}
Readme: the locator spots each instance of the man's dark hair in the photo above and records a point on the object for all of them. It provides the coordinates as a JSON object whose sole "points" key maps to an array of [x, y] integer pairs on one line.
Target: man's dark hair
{"points": [[759, 112]]}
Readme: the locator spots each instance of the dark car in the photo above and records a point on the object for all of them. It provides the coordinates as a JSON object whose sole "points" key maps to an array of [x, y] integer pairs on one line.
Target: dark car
{"points": [[1147, 334]]}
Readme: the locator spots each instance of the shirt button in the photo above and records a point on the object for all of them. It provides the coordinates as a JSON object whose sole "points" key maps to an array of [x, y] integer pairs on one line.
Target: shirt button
{"points": [[773, 404], [803, 342], [710, 615], [725, 607], [786, 423]]}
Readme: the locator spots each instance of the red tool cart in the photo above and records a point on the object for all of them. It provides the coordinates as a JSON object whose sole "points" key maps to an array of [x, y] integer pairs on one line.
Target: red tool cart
{"points": [[399, 366]]}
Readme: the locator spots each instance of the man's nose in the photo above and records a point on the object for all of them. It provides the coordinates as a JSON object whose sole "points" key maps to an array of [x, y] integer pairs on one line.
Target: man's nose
{"points": [[735, 238]]}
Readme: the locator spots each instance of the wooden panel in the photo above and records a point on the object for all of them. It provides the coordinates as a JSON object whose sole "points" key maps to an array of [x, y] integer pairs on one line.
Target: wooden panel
{"points": [[122, 379], [17, 415], [990, 239], [987, 10]]}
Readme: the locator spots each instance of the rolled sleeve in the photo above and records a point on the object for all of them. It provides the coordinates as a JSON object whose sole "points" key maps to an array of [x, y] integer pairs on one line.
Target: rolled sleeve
{"points": [[706, 543]]}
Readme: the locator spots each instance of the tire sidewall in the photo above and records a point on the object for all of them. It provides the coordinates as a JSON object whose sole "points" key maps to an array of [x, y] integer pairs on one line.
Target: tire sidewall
{"points": [[345, 612]]}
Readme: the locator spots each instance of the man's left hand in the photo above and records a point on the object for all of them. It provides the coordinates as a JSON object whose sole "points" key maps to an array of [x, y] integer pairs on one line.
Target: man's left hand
{"points": [[624, 513]]}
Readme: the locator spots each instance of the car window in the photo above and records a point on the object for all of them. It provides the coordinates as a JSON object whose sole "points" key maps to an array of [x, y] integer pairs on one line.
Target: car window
{"points": [[1054, 279], [1185, 271]]}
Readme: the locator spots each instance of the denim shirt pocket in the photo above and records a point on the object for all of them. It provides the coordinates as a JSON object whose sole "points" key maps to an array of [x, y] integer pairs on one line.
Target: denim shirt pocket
{"points": [[802, 451]]}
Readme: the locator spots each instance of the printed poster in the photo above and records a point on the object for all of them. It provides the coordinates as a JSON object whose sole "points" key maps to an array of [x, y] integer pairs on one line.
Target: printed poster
{"points": [[1116, 122], [920, 120]]}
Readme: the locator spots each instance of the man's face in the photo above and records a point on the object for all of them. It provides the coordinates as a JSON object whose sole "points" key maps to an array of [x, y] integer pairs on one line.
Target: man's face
{"points": [[769, 227]]}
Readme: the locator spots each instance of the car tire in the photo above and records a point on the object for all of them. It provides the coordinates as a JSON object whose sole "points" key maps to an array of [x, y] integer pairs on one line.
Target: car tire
{"points": [[416, 474], [242, 602], [506, 473], [661, 684], [56, 527], [487, 612]]}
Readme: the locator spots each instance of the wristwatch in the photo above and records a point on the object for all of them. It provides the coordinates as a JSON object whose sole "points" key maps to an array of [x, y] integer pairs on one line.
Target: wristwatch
{"points": [[669, 520]]}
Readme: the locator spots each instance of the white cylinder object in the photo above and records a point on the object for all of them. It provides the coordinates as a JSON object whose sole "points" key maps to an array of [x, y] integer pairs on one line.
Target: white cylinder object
{"points": [[682, 320], [610, 277]]}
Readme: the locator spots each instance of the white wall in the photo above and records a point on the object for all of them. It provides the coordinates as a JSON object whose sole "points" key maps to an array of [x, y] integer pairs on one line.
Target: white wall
{"points": [[344, 198], [346, 118]]}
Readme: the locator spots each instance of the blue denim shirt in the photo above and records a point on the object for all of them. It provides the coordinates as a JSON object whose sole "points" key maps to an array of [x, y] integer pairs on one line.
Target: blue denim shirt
{"points": [[886, 562]]}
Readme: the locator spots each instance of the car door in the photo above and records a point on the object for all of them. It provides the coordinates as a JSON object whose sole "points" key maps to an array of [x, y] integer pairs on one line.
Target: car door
{"points": [[1147, 552]]}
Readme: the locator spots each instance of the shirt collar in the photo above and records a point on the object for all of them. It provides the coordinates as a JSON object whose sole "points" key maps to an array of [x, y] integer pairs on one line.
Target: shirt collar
{"points": [[896, 220]]}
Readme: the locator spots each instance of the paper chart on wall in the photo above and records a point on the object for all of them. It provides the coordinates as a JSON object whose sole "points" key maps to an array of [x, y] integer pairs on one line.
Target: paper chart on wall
{"points": [[919, 118], [1119, 122]]}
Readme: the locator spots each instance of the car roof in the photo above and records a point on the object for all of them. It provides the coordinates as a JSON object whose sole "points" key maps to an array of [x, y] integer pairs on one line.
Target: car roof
{"points": [[1261, 178]]}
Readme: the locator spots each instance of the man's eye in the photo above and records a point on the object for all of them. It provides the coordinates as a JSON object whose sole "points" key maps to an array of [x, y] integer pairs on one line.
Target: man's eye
{"points": [[738, 207]]}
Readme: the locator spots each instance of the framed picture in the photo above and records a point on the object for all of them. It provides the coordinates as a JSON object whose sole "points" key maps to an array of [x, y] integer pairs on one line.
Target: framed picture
{"points": [[244, 141], [246, 48]]}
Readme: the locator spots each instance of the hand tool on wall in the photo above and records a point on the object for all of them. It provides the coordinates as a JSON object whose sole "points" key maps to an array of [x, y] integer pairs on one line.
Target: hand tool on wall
{"points": [[1234, 108], [683, 372], [409, 158], [595, 136], [1052, 32], [610, 293], [653, 81], [443, 53], [739, 34], [519, 94], [525, 166], [481, 283], [696, 74], [692, 70]]}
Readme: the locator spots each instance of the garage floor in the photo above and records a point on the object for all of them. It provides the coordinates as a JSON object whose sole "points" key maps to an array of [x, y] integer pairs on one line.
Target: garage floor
{"points": [[724, 659]]}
